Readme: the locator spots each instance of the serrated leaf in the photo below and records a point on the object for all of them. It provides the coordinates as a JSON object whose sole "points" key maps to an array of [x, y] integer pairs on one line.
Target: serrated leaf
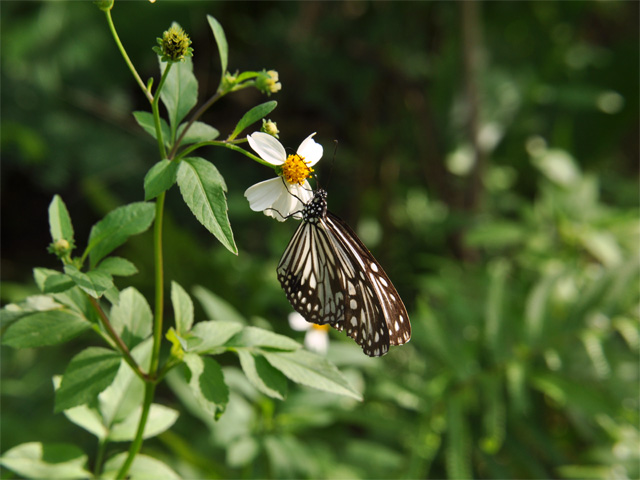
{"points": [[145, 120], [215, 307], [88, 374], [142, 468], [254, 337], [221, 41], [131, 317], [59, 220], [262, 375], [117, 266], [207, 383], [51, 281], [198, 132], [116, 227], [95, 282], [203, 190], [207, 337], [45, 328], [313, 371], [256, 113], [182, 308], [51, 461], [160, 178], [180, 90], [160, 419]]}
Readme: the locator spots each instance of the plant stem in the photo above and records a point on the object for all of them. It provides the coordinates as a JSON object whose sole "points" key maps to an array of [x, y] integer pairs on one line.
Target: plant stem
{"points": [[126, 354], [159, 285], [193, 118], [126, 57], [229, 145], [156, 113], [102, 446], [136, 445]]}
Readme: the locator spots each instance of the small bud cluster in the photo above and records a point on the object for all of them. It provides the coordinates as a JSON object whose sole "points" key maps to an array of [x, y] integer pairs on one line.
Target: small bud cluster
{"points": [[174, 45]]}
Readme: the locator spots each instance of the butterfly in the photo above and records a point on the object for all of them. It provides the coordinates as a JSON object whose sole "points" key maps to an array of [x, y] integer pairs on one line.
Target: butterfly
{"points": [[330, 277]]}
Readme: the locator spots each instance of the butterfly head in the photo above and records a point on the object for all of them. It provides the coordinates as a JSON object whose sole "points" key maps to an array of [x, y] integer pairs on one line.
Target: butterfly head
{"points": [[316, 208]]}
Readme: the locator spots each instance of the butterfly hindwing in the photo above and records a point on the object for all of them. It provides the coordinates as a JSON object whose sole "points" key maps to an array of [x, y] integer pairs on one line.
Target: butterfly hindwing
{"points": [[330, 277]]}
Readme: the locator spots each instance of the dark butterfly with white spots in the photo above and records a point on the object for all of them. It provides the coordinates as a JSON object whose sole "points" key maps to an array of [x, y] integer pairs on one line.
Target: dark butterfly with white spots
{"points": [[330, 277]]}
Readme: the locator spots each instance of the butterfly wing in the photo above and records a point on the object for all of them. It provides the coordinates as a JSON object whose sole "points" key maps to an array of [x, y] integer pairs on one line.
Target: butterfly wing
{"points": [[307, 273], [375, 285]]}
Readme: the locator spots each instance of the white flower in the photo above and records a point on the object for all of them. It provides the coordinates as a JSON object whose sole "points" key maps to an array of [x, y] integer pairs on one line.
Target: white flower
{"points": [[286, 194], [317, 337]]}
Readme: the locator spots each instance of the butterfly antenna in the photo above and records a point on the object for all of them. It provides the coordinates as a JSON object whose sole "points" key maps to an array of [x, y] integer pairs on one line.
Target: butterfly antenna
{"points": [[333, 160]]}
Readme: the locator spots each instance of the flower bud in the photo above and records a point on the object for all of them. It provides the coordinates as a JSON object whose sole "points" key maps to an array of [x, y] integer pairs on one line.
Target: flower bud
{"points": [[174, 45], [60, 248], [270, 127], [267, 82]]}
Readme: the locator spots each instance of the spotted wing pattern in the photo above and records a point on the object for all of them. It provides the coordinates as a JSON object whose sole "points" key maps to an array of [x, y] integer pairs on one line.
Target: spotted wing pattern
{"points": [[330, 277]]}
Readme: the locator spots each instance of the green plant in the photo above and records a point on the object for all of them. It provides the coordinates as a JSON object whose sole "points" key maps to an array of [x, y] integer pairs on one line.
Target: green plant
{"points": [[109, 390]]}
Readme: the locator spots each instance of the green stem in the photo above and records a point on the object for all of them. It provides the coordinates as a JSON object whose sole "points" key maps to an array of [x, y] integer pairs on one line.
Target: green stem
{"points": [[126, 57], [155, 107], [159, 285], [126, 354], [217, 96], [102, 446], [229, 145], [136, 445]]}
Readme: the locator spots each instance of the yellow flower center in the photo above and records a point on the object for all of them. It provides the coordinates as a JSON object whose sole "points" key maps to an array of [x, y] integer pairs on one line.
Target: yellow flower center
{"points": [[320, 327], [296, 170]]}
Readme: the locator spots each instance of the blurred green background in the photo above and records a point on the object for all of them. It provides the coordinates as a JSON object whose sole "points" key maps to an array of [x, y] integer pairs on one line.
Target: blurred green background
{"points": [[516, 254]]}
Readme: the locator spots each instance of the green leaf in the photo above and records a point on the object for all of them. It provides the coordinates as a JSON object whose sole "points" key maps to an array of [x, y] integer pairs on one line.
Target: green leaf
{"points": [[160, 419], [145, 120], [535, 312], [256, 113], [207, 383], [51, 461], [203, 190], [142, 468], [88, 374], [221, 41], [12, 312], [215, 307], [126, 392], [262, 375], [84, 416], [95, 282], [45, 328], [59, 220], [313, 371], [160, 178], [116, 227], [198, 132], [118, 266], [208, 337], [182, 308], [131, 317], [180, 90], [51, 281], [254, 337], [457, 452]]}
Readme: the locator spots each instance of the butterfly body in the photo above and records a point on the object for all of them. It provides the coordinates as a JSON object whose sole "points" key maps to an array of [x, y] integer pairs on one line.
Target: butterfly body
{"points": [[330, 277]]}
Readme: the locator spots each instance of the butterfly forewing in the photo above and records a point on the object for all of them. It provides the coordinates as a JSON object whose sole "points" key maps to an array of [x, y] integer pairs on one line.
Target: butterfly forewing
{"points": [[330, 277]]}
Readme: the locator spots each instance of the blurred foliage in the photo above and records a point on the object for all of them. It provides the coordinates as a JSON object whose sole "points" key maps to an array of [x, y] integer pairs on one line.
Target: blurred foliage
{"points": [[524, 301]]}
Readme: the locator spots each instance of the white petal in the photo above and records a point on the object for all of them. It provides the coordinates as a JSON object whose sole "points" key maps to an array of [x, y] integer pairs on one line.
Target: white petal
{"points": [[298, 323], [310, 150], [317, 340], [285, 205], [262, 195], [269, 149]]}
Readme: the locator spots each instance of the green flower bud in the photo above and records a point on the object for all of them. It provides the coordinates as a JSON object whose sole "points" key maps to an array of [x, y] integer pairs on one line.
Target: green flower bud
{"points": [[60, 248], [104, 5], [270, 127], [267, 82], [174, 45]]}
